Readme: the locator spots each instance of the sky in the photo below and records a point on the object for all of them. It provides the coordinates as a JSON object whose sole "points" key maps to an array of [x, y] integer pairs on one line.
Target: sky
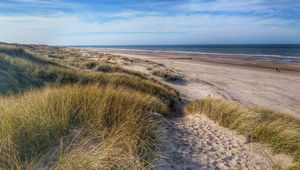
{"points": [[148, 22]]}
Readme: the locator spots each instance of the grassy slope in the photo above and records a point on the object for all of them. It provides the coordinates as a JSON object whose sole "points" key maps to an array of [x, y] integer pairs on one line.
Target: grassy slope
{"points": [[109, 108], [37, 119], [279, 130], [20, 72], [16, 70]]}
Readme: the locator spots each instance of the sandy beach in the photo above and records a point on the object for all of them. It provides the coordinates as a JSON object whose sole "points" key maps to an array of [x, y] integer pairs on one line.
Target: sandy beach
{"points": [[237, 79], [220, 134]]}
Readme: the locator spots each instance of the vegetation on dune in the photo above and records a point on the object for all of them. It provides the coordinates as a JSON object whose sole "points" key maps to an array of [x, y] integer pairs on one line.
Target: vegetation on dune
{"points": [[16, 74], [117, 117], [19, 74], [280, 130], [21, 53], [108, 68], [167, 75], [91, 64], [44, 102], [65, 76], [18, 69]]}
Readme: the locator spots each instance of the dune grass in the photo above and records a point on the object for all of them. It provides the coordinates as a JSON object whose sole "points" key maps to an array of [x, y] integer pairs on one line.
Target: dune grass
{"points": [[17, 74], [64, 76], [21, 53], [280, 130], [44, 102], [117, 117], [109, 68], [114, 68], [166, 74]]}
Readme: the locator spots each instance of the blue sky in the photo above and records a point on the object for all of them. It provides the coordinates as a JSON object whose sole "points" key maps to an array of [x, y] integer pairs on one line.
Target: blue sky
{"points": [[117, 22]]}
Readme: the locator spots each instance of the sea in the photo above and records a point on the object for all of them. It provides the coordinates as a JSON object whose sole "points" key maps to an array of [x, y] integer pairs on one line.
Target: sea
{"points": [[285, 52]]}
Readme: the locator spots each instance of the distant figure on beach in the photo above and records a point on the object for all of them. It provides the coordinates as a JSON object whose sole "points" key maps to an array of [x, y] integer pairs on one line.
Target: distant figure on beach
{"points": [[277, 69]]}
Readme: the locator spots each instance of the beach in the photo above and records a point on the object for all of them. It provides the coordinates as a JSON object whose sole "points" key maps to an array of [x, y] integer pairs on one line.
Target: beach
{"points": [[162, 85], [235, 78], [216, 131]]}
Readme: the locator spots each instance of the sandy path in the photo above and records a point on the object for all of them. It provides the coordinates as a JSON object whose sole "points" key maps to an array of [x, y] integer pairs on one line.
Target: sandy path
{"points": [[196, 142]]}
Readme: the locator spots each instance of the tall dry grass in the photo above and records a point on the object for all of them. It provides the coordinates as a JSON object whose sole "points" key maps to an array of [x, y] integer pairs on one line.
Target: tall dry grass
{"points": [[64, 76], [280, 130], [117, 117]]}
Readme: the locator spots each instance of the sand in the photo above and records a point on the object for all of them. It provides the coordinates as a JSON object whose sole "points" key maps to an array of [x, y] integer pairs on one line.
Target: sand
{"points": [[196, 142]]}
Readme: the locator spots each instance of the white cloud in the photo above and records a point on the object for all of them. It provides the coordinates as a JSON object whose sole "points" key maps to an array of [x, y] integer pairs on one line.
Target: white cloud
{"points": [[263, 6], [148, 29], [42, 6]]}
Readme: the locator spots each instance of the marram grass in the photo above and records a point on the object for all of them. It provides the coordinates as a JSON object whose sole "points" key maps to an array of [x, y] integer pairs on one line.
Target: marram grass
{"points": [[20, 71], [116, 117]]}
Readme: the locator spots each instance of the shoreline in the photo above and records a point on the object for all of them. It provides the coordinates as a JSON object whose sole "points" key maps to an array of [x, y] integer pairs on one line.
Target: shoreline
{"points": [[239, 61]]}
